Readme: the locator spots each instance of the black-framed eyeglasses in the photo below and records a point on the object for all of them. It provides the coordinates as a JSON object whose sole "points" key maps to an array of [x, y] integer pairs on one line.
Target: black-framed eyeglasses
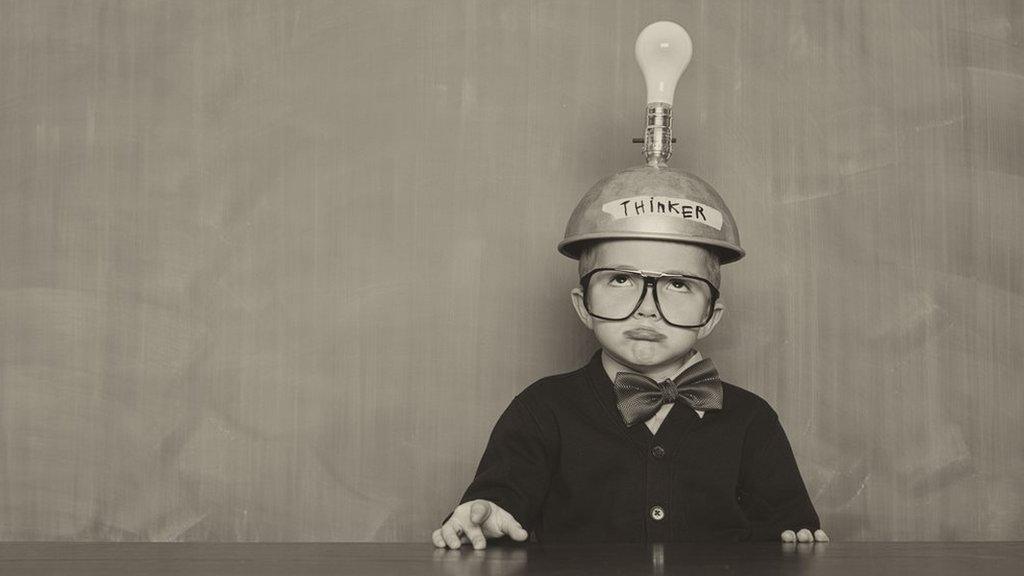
{"points": [[617, 293]]}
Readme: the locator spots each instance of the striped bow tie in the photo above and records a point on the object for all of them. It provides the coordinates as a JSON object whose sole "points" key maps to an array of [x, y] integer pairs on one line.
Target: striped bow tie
{"points": [[639, 396]]}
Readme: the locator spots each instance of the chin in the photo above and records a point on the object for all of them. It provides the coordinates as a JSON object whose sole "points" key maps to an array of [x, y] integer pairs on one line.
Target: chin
{"points": [[645, 353]]}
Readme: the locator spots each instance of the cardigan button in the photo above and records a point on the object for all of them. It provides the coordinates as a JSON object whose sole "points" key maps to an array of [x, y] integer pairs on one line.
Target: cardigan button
{"points": [[658, 452], [657, 512]]}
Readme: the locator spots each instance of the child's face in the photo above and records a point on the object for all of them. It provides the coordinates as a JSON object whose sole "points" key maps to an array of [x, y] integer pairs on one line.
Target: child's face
{"points": [[619, 338]]}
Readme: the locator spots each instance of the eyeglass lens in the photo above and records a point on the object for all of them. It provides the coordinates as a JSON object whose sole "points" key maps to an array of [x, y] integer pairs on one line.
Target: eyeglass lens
{"points": [[613, 294]]}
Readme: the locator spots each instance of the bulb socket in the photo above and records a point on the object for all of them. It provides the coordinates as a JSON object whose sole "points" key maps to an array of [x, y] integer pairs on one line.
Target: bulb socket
{"points": [[658, 133]]}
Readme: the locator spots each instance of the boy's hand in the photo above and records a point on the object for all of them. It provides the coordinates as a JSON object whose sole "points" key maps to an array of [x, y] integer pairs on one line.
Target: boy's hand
{"points": [[805, 536], [474, 522]]}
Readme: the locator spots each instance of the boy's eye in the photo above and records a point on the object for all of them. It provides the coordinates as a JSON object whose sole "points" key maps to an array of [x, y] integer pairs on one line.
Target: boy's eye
{"points": [[620, 280], [681, 285]]}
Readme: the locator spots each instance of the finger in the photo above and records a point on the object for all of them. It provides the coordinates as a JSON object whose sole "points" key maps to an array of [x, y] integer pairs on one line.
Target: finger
{"points": [[479, 512], [437, 538], [820, 536], [789, 536], [515, 530], [450, 537], [804, 536], [476, 537]]}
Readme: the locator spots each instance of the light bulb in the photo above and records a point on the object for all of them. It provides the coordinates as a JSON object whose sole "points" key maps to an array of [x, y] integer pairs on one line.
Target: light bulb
{"points": [[663, 50]]}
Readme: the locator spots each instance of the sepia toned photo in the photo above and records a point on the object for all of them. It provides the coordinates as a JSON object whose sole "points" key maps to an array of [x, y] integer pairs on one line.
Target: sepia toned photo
{"points": [[521, 287]]}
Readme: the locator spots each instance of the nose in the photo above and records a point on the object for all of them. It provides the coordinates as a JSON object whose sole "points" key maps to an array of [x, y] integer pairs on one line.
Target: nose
{"points": [[647, 306]]}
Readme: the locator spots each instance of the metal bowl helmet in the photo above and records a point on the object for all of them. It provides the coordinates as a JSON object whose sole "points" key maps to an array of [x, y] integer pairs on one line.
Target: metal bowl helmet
{"points": [[653, 201]]}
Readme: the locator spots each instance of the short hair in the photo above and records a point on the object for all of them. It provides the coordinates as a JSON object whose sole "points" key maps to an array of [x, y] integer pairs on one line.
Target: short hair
{"points": [[712, 261]]}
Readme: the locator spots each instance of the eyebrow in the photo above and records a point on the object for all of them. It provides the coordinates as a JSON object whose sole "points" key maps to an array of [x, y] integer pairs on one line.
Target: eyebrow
{"points": [[631, 267]]}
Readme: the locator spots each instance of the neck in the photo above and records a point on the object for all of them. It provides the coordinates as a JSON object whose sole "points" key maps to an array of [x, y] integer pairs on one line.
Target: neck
{"points": [[613, 366]]}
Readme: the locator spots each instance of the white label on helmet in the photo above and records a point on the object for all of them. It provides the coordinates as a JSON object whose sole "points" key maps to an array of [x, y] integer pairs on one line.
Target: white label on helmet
{"points": [[664, 206]]}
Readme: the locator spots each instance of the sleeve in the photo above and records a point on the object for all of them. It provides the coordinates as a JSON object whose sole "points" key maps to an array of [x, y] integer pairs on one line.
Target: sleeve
{"points": [[516, 467], [771, 491]]}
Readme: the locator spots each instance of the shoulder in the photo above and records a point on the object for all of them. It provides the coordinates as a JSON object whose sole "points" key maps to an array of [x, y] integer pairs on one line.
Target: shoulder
{"points": [[746, 404], [552, 389], [555, 384]]}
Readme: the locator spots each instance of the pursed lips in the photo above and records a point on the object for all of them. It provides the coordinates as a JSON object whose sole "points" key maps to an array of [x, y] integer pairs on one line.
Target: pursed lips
{"points": [[644, 334]]}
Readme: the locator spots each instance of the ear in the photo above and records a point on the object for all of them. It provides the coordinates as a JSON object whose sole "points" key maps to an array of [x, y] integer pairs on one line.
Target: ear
{"points": [[716, 315], [576, 294]]}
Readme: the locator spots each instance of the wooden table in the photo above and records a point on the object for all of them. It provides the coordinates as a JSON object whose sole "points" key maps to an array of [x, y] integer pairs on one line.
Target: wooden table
{"points": [[854, 558]]}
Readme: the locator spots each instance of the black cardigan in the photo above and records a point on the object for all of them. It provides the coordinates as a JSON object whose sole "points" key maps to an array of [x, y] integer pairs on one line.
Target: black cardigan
{"points": [[563, 463]]}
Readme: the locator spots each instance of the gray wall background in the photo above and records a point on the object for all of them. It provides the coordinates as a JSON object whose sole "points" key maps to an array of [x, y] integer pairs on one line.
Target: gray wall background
{"points": [[271, 271]]}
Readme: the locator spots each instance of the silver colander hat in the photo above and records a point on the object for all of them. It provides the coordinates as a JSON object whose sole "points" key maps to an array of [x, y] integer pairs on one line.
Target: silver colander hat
{"points": [[653, 201]]}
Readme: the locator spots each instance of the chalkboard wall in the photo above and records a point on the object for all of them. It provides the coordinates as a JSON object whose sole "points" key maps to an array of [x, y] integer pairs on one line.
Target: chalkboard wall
{"points": [[271, 270]]}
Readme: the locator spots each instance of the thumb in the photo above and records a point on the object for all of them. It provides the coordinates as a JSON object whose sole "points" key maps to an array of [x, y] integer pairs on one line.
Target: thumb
{"points": [[479, 512], [514, 529]]}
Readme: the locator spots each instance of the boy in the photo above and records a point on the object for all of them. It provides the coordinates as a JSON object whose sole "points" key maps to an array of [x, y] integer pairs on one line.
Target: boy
{"points": [[644, 443]]}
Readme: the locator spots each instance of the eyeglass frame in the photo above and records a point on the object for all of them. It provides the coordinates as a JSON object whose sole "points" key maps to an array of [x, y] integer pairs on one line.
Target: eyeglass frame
{"points": [[650, 279]]}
